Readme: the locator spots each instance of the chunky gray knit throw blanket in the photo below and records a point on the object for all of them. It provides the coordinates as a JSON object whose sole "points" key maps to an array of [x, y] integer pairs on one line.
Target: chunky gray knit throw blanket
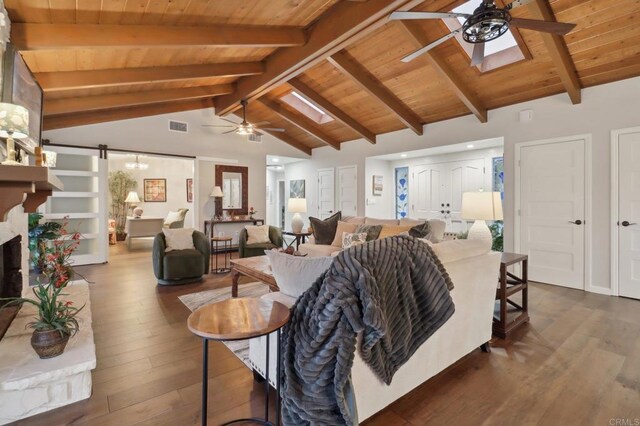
{"points": [[394, 290]]}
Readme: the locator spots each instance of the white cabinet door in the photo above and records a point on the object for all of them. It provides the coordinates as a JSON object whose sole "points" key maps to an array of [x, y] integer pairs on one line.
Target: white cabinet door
{"points": [[552, 211], [326, 193], [348, 191], [629, 215]]}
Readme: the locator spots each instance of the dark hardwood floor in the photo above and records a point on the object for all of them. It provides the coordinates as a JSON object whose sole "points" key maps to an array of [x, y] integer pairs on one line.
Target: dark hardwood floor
{"points": [[576, 363]]}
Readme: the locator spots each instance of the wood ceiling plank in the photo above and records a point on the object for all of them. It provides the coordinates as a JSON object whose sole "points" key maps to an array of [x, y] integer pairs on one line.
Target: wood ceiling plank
{"points": [[74, 80], [340, 26], [348, 66], [94, 117], [63, 11], [558, 51], [463, 93], [89, 12], [111, 11], [59, 36], [301, 122], [93, 103], [133, 12], [335, 112]]}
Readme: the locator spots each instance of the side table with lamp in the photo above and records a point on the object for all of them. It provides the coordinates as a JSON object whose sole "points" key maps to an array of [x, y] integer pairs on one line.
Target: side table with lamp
{"points": [[133, 199], [13, 125], [297, 206]]}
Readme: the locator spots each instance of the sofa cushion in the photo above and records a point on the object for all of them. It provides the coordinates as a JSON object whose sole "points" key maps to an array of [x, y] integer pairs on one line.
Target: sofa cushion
{"points": [[350, 240], [325, 230], [374, 221], [354, 219], [316, 250], [455, 250], [412, 222], [437, 230], [295, 274], [341, 229], [264, 246], [372, 231], [391, 230], [422, 230], [257, 234], [178, 239], [183, 264]]}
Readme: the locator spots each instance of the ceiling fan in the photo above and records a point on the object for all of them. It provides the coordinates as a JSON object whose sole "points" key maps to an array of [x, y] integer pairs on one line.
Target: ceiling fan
{"points": [[486, 23], [244, 128]]}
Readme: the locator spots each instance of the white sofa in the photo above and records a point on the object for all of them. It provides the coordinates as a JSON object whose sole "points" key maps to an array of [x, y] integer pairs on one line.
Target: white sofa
{"points": [[313, 249], [474, 271]]}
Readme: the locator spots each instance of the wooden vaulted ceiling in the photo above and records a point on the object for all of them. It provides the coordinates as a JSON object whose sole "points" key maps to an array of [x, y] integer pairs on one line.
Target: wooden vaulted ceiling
{"points": [[109, 60]]}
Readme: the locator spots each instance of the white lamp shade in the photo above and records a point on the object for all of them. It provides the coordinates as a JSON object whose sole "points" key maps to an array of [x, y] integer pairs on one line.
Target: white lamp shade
{"points": [[132, 197], [297, 205], [481, 206], [217, 192], [14, 121]]}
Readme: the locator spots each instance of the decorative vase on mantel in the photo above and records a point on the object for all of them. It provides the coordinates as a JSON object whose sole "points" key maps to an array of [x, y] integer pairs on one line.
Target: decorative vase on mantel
{"points": [[49, 343]]}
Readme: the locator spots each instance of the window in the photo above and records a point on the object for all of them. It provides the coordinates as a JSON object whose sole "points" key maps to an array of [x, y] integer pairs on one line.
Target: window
{"points": [[309, 109], [499, 52]]}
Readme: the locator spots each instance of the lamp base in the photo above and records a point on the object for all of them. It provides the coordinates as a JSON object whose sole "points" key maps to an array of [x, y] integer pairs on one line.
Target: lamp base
{"points": [[297, 223], [480, 231]]}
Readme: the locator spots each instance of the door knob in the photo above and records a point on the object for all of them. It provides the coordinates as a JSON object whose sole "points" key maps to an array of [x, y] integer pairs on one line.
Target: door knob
{"points": [[626, 223], [576, 222]]}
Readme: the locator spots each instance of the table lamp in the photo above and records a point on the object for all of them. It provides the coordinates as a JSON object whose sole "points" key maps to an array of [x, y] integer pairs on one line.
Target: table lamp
{"points": [[481, 206], [216, 194], [297, 206], [133, 199], [14, 124]]}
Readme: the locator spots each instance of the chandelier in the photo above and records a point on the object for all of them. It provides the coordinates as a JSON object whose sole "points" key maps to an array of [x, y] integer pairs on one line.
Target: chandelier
{"points": [[137, 165]]}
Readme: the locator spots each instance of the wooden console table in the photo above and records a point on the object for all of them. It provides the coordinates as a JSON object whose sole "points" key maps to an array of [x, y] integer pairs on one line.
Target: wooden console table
{"points": [[210, 225], [511, 314]]}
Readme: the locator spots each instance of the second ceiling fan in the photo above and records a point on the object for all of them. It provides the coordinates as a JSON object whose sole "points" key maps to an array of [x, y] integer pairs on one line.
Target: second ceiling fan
{"points": [[245, 128], [486, 23]]}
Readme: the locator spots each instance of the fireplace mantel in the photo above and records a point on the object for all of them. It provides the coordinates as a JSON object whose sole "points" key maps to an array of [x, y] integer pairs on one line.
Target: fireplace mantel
{"points": [[26, 185]]}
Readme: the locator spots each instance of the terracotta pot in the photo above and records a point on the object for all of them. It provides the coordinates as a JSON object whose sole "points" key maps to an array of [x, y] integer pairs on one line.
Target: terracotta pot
{"points": [[49, 343]]}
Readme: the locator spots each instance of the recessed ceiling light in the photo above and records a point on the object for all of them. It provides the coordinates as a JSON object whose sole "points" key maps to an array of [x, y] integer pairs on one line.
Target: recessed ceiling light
{"points": [[403, 155], [470, 146], [276, 160]]}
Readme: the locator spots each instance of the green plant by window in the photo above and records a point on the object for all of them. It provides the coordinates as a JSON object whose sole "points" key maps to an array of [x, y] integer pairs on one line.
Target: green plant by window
{"points": [[497, 229], [120, 183]]}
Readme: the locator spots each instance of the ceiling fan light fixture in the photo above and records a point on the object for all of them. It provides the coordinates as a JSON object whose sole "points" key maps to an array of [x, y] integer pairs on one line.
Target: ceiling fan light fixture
{"points": [[486, 24]]}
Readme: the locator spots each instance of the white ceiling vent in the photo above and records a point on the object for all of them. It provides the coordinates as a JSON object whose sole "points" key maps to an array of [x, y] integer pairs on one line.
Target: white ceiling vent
{"points": [[178, 126], [254, 138]]}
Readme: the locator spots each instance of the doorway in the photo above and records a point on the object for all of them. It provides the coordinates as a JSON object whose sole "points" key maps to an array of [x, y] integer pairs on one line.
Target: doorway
{"points": [[348, 190], [280, 204], [625, 214], [552, 216], [326, 193]]}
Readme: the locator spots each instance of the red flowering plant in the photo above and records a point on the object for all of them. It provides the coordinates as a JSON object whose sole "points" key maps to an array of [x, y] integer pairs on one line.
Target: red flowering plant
{"points": [[53, 313]]}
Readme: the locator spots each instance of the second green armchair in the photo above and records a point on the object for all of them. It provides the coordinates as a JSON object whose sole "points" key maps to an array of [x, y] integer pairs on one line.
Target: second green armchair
{"points": [[250, 250]]}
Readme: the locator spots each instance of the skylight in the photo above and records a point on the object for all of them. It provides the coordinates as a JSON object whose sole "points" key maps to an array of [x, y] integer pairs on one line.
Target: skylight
{"points": [[304, 106], [498, 45]]}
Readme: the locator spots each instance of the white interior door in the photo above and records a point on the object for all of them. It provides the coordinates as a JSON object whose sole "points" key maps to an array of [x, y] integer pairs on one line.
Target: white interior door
{"points": [[463, 176], [348, 190], [326, 193], [427, 191], [629, 215], [552, 211]]}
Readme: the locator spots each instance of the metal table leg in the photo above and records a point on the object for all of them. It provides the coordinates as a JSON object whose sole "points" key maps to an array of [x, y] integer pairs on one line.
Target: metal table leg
{"points": [[205, 379]]}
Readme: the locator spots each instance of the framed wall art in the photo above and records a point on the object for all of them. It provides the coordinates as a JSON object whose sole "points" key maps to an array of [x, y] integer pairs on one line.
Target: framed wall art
{"points": [[377, 185], [189, 190], [155, 190]]}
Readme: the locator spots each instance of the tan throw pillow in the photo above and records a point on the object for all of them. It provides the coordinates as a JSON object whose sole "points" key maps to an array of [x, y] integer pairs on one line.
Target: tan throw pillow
{"points": [[178, 239], [350, 240], [257, 234], [391, 230], [343, 227]]}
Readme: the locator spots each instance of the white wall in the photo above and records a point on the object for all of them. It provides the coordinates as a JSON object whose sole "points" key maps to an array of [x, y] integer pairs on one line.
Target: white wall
{"points": [[273, 176], [380, 206], [175, 170], [151, 134], [603, 108]]}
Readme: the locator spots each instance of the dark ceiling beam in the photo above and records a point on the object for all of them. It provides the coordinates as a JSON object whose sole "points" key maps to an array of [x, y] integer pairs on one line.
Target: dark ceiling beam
{"points": [[369, 83]]}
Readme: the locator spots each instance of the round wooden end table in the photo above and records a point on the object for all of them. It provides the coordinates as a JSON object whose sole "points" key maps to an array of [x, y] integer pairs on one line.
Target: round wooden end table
{"points": [[226, 248], [239, 319]]}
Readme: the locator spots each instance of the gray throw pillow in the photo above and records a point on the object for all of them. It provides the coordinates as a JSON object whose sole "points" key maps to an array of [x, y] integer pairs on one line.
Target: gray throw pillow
{"points": [[325, 230], [372, 231], [422, 230]]}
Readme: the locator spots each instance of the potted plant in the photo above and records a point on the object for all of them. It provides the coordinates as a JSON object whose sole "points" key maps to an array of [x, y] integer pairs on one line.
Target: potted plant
{"points": [[252, 211], [497, 229], [39, 236], [56, 320], [120, 183]]}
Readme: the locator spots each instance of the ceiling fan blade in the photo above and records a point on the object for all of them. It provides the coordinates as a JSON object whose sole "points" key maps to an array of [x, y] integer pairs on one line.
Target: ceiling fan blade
{"points": [[216, 125], [517, 3], [228, 121], [478, 54], [228, 131], [398, 16], [428, 47], [272, 129], [261, 123], [544, 26]]}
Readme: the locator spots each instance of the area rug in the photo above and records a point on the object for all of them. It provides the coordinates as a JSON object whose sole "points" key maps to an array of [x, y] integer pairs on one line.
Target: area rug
{"points": [[193, 301]]}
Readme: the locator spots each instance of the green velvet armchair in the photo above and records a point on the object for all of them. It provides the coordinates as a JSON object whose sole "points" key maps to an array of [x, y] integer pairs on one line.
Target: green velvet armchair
{"points": [[176, 223], [181, 266], [251, 250]]}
